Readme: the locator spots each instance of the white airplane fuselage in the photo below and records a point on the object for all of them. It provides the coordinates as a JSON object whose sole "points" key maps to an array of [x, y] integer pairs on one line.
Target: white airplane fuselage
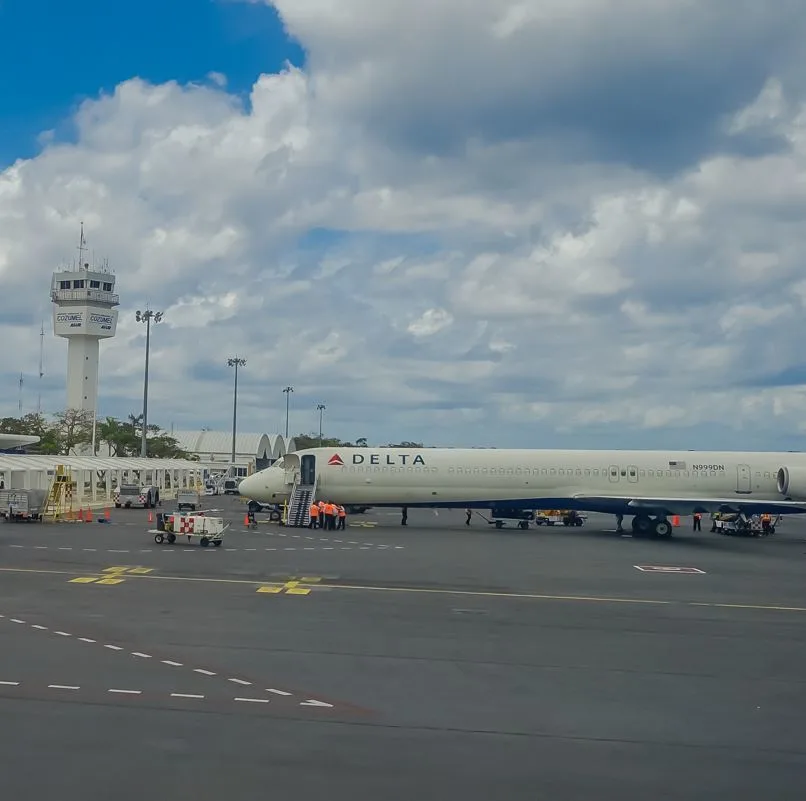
{"points": [[656, 483]]}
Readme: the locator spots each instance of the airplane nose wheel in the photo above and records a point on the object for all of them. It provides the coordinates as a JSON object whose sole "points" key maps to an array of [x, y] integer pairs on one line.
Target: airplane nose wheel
{"points": [[663, 529]]}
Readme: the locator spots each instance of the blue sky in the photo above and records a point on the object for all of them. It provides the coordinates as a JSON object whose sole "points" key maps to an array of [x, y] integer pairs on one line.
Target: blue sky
{"points": [[461, 222], [55, 54]]}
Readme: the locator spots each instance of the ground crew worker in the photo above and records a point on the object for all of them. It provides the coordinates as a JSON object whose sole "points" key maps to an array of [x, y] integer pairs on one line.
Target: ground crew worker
{"points": [[405, 518], [330, 515], [697, 521], [342, 512], [714, 518], [314, 511], [765, 523], [469, 513]]}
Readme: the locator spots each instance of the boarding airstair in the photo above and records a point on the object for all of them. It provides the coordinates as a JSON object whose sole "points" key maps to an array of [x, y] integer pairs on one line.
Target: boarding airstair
{"points": [[299, 508], [59, 503]]}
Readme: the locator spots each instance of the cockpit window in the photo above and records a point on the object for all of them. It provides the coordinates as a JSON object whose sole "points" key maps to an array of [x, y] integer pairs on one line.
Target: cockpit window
{"points": [[279, 462]]}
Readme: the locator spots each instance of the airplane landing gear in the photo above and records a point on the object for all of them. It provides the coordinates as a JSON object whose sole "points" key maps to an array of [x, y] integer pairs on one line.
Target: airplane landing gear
{"points": [[645, 526]]}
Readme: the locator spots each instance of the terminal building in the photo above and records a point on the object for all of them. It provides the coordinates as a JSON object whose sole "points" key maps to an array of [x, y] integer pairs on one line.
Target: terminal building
{"points": [[213, 450]]}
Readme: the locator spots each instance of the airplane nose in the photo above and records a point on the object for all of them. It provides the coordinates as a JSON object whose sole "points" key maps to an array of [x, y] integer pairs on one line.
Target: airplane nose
{"points": [[250, 485]]}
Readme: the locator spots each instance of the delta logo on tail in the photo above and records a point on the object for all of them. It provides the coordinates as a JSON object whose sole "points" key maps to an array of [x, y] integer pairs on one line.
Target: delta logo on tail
{"points": [[336, 460]]}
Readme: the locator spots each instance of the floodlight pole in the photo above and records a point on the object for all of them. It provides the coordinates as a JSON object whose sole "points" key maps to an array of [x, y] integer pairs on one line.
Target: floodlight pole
{"points": [[235, 362], [146, 317]]}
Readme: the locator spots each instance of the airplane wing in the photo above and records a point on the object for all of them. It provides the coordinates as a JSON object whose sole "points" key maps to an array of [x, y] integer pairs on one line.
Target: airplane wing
{"points": [[688, 505]]}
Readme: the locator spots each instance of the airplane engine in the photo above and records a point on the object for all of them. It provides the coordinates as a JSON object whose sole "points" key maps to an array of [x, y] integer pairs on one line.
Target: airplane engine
{"points": [[792, 482]]}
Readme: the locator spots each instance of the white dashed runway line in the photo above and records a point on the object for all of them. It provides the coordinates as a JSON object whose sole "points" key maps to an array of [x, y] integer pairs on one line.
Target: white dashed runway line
{"points": [[193, 548], [141, 655], [61, 690]]}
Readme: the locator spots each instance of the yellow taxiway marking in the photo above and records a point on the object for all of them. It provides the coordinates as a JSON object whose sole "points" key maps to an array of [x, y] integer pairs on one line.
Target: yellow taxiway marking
{"points": [[113, 575], [432, 591], [289, 588]]}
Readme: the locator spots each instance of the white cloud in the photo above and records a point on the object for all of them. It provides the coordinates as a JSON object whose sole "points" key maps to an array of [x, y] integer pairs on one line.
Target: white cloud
{"points": [[430, 322], [464, 221]]}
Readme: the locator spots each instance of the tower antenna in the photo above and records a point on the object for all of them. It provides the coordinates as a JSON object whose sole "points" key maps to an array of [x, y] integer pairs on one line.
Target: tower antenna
{"points": [[81, 248], [19, 405]]}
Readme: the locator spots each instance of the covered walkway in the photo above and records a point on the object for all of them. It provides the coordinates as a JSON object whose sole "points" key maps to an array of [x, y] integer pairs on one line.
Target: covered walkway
{"points": [[94, 478]]}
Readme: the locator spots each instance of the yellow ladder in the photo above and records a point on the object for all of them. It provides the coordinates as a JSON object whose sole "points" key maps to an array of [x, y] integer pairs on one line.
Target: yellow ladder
{"points": [[59, 503]]}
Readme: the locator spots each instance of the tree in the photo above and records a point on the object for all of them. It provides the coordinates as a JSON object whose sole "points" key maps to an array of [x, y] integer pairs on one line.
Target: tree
{"points": [[312, 441], [74, 427], [304, 441]]}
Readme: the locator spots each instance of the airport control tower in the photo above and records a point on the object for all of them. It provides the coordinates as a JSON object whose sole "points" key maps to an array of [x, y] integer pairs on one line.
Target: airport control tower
{"points": [[84, 313]]}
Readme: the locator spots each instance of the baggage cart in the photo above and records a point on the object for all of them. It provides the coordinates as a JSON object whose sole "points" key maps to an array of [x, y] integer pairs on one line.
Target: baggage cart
{"points": [[209, 530]]}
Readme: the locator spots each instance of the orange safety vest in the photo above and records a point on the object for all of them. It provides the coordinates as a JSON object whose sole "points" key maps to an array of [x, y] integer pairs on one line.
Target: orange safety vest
{"points": [[342, 512], [330, 509], [314, 510]]}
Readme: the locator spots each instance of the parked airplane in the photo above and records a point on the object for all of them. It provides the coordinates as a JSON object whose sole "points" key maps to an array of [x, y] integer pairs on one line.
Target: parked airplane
{"points": [[649, 485], [10, 441]]}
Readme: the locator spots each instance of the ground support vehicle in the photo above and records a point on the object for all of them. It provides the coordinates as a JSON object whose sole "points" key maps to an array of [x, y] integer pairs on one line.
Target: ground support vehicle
{"points": [[742, 526], [499, 517], [559, 517], [22, 505], [129, 495], [188, 499], [207, 529]]}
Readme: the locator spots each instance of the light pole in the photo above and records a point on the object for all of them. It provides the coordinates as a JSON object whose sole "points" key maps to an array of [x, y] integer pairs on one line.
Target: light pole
{"points": [[235, 362], [146, 317], [288, 391], [321, 407]]}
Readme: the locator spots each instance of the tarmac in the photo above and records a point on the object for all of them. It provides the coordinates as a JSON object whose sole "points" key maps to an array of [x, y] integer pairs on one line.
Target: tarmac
{"points": [[428, 661]]}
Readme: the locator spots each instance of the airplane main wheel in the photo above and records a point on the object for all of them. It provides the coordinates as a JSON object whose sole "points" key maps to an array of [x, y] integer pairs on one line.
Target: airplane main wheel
{"points": [[172, 538], [641, 525], [663, 529]]}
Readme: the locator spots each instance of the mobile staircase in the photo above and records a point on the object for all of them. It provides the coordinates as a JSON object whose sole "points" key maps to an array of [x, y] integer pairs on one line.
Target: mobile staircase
{"points": [[299, 508]]}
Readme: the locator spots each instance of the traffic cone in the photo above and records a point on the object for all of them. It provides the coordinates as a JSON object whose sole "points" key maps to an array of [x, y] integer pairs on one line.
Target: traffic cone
{"points": [[246, 520], [88, 515], [676, 520], [150, 517], [107, 513]]}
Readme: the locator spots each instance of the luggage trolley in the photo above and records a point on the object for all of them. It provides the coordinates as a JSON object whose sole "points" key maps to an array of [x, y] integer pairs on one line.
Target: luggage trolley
{"points": [[207, 529]]}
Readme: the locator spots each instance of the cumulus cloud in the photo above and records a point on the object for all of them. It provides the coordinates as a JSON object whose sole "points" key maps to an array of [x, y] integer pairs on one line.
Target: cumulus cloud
{"points": [[464, 222]]}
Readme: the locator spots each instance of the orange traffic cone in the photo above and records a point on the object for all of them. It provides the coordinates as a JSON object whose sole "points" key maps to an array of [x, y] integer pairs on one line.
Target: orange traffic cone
{"points": [[150, 517], [107, 513], [88, 515], [246, 520], [676, 520]]}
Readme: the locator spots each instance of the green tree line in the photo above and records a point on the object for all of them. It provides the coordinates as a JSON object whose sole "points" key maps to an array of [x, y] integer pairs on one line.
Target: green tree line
{"points": [[73, 428], [304, 441]]}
